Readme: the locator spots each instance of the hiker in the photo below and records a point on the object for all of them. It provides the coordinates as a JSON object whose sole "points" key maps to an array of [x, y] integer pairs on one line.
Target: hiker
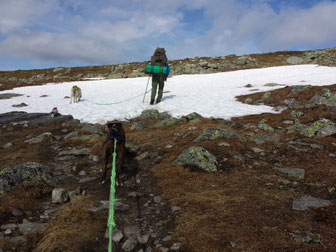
{"points": [[159, 59]]}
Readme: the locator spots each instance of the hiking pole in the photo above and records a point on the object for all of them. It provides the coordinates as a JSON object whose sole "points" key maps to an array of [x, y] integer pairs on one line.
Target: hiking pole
{"points": [[146, 89]]}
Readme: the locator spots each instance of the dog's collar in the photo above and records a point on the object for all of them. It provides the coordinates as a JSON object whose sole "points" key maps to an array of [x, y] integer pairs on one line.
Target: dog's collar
{"points": [[112, 137]]}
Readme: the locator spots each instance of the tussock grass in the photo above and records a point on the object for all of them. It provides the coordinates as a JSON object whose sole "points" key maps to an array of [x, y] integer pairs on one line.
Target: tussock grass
{"points": [[74, 229]]}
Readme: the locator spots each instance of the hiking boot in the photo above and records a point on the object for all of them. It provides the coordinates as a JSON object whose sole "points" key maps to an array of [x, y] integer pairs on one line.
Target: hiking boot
{"points": [[151, 102], [157, 100]]}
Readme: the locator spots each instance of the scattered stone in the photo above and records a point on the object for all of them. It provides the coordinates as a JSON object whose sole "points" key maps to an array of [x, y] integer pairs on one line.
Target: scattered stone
{"points": [[176, 246], [16, 212], [142, 156], [224, 144], [117, 235], [257, 150], [167, 238], [85, 180], [272, 84], [305, 202], [131, 231], [76, 152], [82, 173], [8, 145], [157, 199], [143, 239], [20, 105], [175, 208], [18, 239], [59, 195]]}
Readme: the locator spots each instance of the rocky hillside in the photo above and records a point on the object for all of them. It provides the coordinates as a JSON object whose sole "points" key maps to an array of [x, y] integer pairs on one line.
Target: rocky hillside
{"points": [[254, 183], [199, 65]]}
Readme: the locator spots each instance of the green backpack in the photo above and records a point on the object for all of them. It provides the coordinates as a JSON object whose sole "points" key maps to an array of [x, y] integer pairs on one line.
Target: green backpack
{"points": [[158, 63]]}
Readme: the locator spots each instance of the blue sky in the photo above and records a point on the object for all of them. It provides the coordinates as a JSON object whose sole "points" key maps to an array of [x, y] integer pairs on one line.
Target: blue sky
{"points": [[51, 33]]}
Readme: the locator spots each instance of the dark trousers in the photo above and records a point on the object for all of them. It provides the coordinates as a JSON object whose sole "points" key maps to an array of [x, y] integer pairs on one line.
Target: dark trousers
{"points": [[157, 81]]}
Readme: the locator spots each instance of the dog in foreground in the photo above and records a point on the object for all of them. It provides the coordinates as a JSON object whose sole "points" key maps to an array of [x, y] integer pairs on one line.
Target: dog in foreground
{"points": [[76, 94], [114, 132]]}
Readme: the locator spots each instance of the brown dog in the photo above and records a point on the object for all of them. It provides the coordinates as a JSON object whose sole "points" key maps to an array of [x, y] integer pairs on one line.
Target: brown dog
{"points": [[114, 132]]}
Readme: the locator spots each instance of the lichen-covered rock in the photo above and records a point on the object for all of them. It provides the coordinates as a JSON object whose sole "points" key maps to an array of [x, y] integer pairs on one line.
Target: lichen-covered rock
{"points": [[262, 138], [246, 60], [272, 84], [293, 60], [16, 175], [40, 138], [193, 117], [266, 96], [263, 126], [291, 103], [167, 122], [296, 114], [197, 157], [213, 133], [248, 100], [328, 98], [92, 128], [153, 114], [138, 125], [299, 88], [320, 128]]}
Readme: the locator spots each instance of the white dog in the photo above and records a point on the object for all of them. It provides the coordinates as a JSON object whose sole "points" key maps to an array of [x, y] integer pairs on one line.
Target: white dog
{"points": [[76, 94]]}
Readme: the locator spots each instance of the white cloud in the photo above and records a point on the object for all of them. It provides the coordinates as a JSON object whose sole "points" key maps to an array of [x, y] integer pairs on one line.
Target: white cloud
{"points": [[102, 31], [18, 14], [64, 48], [304, 27]]}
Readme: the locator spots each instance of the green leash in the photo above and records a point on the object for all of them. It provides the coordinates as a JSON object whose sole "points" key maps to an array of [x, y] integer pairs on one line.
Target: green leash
{"points": [[111, 223]]}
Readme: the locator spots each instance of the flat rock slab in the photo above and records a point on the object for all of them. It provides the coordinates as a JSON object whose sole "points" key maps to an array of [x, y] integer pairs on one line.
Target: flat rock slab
{"points": [[9, 95], [33, 119], [27, 226], [305, 202], [292, 172]]}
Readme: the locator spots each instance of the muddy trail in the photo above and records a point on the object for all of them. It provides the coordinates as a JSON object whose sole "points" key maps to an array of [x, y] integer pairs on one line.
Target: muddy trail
{"points": [[138, 190]]}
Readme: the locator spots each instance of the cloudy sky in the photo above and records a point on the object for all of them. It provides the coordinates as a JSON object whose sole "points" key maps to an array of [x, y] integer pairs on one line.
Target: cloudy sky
{"points": [[51, 33]]}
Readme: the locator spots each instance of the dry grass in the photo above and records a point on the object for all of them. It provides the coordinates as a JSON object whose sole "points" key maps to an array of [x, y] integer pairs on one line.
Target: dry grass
{"points": [[74, 229]]}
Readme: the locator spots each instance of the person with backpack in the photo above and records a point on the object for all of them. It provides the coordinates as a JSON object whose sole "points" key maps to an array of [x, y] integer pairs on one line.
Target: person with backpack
{"points": [[159, 61]]}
